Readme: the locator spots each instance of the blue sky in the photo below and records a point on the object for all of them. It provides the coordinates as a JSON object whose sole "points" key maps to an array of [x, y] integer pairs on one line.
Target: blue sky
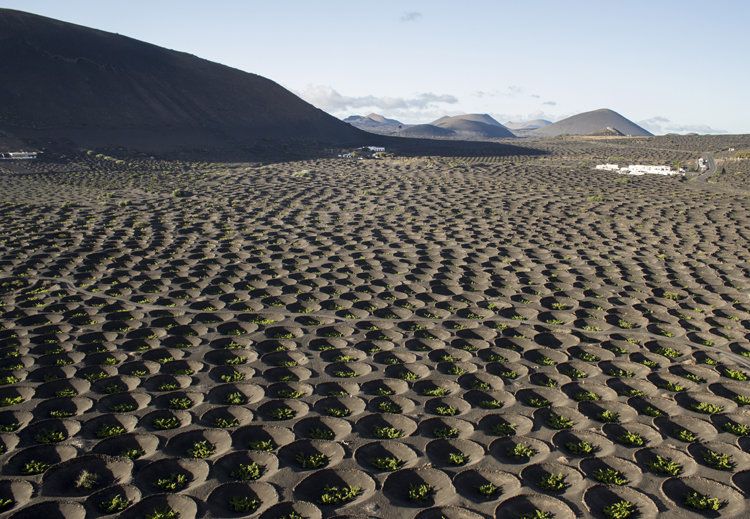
{"points": [[671, 65]]}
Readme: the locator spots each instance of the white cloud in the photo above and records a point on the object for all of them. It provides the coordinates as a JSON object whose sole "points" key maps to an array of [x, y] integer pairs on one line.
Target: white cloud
{"points": [[330, 100], [660, 125], [411, 16], [509, 91], [550, 103]]}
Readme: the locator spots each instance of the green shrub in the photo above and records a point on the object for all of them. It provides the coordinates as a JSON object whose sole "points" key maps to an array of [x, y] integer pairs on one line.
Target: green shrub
{"points": [[581, 448], [706, 408], [387, 432], [620, 510], [202, 449], [445, 432], [283, 413], [718, 460], [164, 424], [339, 495], [244, 504], [172, 482], [114, 504], [180, 403], [420, 493], [262, 445], [488, 490], [554, 482], [388, 463], [50, 436], [736, 428], [86, 480], [33, 467], [248, 471], [312, 461], [163, 513], [703, 502], [665, 466], [610, 476], [458, 458], [632, 439], [108, 431], [608, 417], [556, 421], [522, 451]]}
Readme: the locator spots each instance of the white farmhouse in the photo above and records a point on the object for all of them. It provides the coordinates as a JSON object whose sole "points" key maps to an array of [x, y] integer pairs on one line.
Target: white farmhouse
{"points": [[641, 169], [638, 169], [18, 155]]}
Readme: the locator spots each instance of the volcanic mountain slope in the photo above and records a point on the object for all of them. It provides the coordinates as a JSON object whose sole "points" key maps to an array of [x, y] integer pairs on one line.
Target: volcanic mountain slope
{"points": [[474, 126], [480, 118], [375, 123], [67, 83], [527, 125], [596, 122], [427, 131]]}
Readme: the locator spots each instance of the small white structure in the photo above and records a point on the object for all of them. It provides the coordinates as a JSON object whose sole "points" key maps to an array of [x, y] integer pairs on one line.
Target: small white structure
{"points": [[18, 155], [364, 152], [638, 169], [641, 169]]}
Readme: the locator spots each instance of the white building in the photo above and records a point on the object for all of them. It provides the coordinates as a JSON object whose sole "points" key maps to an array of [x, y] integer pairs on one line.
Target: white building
{"points": [[641, 169], [638, 169], [376, 148], [18, 155]]}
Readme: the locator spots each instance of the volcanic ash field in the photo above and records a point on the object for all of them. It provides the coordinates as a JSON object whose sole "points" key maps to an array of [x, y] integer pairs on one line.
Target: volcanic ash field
{"points": [[461, 338]]}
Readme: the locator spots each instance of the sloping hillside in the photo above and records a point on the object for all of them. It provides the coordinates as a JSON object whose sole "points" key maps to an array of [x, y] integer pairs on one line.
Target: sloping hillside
{"points": [[375, 123], [596, 122], [66, 83], [474, 126]]}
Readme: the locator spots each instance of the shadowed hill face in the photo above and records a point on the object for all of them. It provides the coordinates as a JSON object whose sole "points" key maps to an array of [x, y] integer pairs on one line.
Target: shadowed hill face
{"points": [[480, 118], [479, 125], [597, 122], [528, 125], [426, 131], [66, 82], [375, 123]]}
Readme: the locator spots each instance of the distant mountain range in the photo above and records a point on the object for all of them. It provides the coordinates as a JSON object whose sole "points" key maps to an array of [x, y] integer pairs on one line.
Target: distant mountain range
{"points": [[467, 126], [485, 127], [524, 127], [375, 123]]}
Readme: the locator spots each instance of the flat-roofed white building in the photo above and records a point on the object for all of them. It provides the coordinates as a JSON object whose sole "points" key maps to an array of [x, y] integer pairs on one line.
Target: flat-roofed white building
{"points": [[18, 155], [638, 169], [641, 169]]}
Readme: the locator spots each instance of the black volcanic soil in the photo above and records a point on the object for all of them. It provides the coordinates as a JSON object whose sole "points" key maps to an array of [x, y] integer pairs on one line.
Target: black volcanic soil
{"points": [[409, 337]]}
